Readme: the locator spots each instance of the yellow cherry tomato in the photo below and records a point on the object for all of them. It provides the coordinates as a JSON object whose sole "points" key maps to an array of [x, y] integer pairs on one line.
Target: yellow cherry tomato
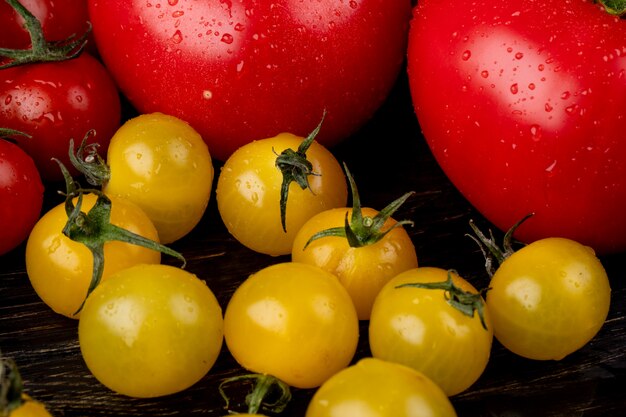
{"points": [[363, 270], [419, 328], [30, 408], [249, 193], [60, 269], [161, 164], [376, 388], [549, 299], [292, 321], [150, 330]]}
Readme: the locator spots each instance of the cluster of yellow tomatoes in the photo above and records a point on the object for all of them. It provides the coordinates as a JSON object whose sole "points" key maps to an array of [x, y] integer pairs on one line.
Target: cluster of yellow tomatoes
{"points": [[148, 329]]}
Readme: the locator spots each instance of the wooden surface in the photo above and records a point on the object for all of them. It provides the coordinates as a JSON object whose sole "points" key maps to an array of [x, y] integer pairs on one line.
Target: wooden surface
{"points": [[387, 158]]}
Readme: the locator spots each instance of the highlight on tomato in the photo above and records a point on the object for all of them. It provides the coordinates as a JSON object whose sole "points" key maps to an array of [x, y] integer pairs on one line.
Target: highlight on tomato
{"points": [[150, 330], [14, 402], [269, 188], [364, 252], [160, 163], [290, 324], [436, 322], [373, 387], [547, 299]]}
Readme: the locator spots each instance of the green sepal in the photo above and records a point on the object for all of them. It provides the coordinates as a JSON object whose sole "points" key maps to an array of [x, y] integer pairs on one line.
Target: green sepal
{"points": [[464, 301], [91, 164], [614, 7], [94, 229], [9, 133], [42, 50], [11, 387], [295, 167], [363, 230], [490, 249], [255, 400]]}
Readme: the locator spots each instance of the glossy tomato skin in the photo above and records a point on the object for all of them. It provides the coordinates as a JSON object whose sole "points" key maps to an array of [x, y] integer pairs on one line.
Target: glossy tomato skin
{"points": [[56, 102], [373, 387], [248, 69], [363, 271], [161, 164], [60, 269], [292, 321], [417, 327], [521, 104], [21, 195], [59, 19], [151, 330], [549, 299], [249, 186]]}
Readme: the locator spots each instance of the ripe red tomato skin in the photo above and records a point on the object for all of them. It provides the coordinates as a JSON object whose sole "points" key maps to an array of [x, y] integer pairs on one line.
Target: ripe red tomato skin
{"points": [[248, 70], [527, 115], [21, 195], [56, 102], [59, 19]]}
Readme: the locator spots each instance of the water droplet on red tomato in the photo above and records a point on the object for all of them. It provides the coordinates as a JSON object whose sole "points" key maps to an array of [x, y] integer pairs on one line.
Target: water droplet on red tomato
{"points": [[519, 55], [548, 107], [7, 99], [535, 132], [531, 86], [541, 67], [177, 37], [227, 38], [565, 95], [172, 2], [484, 74], [239, 27], [353, 4], [466, 55], [514, 88], [178, 13]]}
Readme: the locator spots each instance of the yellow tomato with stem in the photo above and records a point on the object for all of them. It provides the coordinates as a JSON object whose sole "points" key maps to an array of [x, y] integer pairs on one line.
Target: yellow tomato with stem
{"points": [[269, 188], [61, 269]]}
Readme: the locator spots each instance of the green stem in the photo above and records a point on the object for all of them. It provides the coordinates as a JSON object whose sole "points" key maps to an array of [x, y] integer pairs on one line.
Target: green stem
{"points": [[615, 7], [464, 301], [295, 167], [41, 50], [9, 133], [94, 229], [363, 230], [264, 385], [11, 387], [91, 165]]}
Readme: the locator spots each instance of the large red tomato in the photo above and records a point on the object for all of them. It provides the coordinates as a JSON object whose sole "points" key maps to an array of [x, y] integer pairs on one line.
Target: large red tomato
{"points": [[523, 104], [239, 70]]}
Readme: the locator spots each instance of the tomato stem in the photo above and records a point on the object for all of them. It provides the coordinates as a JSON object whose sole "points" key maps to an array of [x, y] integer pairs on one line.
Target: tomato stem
{"points": [[41, 50], [295, 167], [9, 133], [94, 229], [490, 248], [464, 301], [363, 230], [615, 7], [264, 385], [11, 386], [91, 165]]}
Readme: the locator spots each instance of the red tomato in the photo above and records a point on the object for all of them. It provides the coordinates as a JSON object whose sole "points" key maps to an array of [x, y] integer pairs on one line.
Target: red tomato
{"points": [[56, 102], [246, 69], [59, 19], [21, 195], [522, 104]]}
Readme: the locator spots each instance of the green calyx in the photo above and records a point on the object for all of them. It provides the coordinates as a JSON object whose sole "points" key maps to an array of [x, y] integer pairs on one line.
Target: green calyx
{"points": [[490, 249], [363, 230], [295, 167], [464, 301], [10, 133], [615, 7], [11, 387], [264, 386], [94, 229], [41, 50], [90, 164]]}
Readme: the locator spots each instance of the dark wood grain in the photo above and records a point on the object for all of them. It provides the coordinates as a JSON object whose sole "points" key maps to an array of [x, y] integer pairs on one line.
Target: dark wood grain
{"points": [[387, 157]]}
